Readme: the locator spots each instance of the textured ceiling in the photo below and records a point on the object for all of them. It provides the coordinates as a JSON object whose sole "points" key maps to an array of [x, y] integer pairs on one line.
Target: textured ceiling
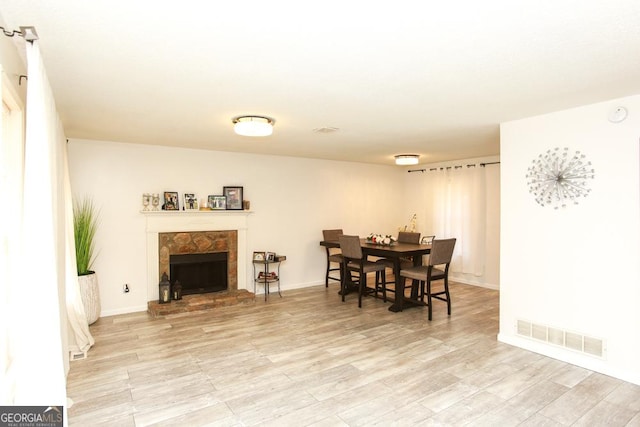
{"points": [[432, 78]]}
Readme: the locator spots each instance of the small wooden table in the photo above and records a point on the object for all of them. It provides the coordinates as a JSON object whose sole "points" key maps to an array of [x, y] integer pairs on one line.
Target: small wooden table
{"points": [[394, 252]]}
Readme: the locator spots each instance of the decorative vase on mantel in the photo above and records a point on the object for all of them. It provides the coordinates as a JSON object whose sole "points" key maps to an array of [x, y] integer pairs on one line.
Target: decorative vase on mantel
{"points": [[90, 294]]}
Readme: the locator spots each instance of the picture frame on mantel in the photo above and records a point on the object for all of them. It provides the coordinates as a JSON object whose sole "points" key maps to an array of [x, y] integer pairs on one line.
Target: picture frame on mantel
{"points": [[190, 202], [217, 202], [233, 196], [171, 201]]}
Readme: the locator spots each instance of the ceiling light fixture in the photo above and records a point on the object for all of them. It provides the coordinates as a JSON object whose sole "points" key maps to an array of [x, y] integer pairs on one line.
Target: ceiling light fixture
{"points": [[253, 125], [407, 159]]}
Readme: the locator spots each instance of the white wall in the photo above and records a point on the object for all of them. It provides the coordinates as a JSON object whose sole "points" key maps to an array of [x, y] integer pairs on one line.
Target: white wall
{"points": [[292, 200], [577, 268]]}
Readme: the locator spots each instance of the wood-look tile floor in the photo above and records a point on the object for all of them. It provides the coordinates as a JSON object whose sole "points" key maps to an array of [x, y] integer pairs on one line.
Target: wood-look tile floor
{"points": [[308, 359]]}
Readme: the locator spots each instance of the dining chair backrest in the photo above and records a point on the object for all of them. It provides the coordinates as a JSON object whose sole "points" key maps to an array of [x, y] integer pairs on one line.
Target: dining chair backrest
{"points": [[441, 251], [408, 237], [350, 246], [426, 240], [332, 235]]}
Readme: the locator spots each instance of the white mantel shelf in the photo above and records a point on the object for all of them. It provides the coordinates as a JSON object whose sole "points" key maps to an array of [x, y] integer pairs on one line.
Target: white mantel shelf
{"points": [[199, 212], [194, 220]]}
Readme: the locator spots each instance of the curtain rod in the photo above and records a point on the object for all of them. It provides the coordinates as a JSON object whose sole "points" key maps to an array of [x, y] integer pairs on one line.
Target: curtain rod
{"points": [[29, 33], [454, 167]]}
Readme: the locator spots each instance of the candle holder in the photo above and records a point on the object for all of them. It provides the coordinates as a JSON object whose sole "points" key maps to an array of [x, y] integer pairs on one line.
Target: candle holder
{"points": [[177, 291], [164, 288], [146, 200]]}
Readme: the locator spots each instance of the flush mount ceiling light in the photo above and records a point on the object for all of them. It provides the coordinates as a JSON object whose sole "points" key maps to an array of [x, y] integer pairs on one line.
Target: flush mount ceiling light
{"points": [[407, 159], [253, 125]]}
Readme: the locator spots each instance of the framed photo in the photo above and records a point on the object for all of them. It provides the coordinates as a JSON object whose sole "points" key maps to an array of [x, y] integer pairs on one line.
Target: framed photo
{"points": [[171, 201], [270, 256], [217, 202], [190, 202], [258, 256], [234, 197]]}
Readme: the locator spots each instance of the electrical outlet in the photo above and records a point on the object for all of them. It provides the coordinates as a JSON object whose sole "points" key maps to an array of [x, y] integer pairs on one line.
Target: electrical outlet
{"points": [[125, 288]]}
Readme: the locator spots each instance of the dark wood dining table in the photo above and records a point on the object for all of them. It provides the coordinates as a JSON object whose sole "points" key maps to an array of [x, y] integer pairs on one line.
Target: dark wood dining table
{"points": [[394, 252]]}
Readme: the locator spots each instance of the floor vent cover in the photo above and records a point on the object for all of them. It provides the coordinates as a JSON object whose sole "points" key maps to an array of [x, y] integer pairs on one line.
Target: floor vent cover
{"points": [[78, 356], [561, 338]]}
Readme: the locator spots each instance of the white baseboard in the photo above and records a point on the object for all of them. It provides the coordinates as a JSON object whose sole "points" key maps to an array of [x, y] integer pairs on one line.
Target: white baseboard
{"points": [[125, 310], [464, 281], [288, 287]]}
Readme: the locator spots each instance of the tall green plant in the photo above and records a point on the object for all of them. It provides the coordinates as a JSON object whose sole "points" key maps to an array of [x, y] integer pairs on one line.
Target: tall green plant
{"points": [[85, 224]]}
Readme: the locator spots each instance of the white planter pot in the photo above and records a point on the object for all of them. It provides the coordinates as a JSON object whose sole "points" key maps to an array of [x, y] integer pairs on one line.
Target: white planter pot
{"points": [[90, 294]]}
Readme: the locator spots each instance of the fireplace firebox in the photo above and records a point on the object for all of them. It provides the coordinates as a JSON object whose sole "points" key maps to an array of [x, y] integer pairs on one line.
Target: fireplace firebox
{"points": [[199, 272]]}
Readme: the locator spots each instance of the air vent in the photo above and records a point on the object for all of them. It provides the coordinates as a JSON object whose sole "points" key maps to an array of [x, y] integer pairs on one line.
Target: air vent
{"points": [[326, 129], [561, 338], [78, 356]]}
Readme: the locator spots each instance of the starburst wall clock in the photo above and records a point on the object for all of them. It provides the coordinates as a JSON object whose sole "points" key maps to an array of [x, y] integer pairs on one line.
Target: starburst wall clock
{"points": [[558, 177]]}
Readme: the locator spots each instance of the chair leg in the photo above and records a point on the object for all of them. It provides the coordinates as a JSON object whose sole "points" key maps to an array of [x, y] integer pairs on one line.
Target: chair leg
{"points": [[446, 292], [384, 285], [381, 282], [362, 285], [429, 304], [326, 277]]}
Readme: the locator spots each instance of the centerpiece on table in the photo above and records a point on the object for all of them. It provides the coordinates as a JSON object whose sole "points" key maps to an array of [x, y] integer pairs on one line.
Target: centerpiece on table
{"points": [[381, 239]]}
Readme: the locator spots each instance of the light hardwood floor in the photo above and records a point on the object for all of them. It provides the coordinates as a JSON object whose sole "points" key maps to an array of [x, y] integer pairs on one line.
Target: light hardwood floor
{"points": [[308, 359]]}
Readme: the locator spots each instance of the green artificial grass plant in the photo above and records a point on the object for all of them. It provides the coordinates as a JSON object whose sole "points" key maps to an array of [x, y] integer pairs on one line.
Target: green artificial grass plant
{"points": [[85, 224]]}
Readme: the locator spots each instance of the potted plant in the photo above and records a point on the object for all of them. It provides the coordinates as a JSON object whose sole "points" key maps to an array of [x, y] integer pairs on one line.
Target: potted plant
{"points": [[85, 224]]}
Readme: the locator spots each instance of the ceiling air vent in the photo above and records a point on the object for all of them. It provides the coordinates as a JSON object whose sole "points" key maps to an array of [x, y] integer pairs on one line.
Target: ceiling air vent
{"points": [[326, 129]]}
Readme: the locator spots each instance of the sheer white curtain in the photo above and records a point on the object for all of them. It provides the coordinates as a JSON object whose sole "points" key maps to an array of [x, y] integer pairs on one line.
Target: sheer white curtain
{"points": [[456, 200], [41, 285], [11, 171], [80, 339], [36, 345]]}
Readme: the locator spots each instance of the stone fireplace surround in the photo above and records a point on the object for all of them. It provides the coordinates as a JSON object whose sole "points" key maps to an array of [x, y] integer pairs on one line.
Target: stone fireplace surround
{"points": [[220, 222], [199, 242]]}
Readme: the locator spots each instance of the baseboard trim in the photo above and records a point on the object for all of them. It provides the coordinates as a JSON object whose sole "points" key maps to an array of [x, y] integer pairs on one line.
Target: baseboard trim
{"points": [[479, 284], [125, 310]]}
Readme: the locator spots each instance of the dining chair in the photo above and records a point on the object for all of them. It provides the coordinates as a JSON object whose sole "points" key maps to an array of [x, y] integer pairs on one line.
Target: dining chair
{"points": [[355, 262], [436, 269], [408, 237], [334, 256], [426, 240], [403, 237]]}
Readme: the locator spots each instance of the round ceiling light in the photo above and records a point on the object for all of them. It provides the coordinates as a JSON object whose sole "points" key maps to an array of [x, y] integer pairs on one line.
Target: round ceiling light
{"points": [[253, 125], [407, 159]]}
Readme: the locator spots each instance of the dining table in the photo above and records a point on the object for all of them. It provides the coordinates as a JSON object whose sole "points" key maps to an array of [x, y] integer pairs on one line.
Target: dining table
{"points": [[395, 252]]}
